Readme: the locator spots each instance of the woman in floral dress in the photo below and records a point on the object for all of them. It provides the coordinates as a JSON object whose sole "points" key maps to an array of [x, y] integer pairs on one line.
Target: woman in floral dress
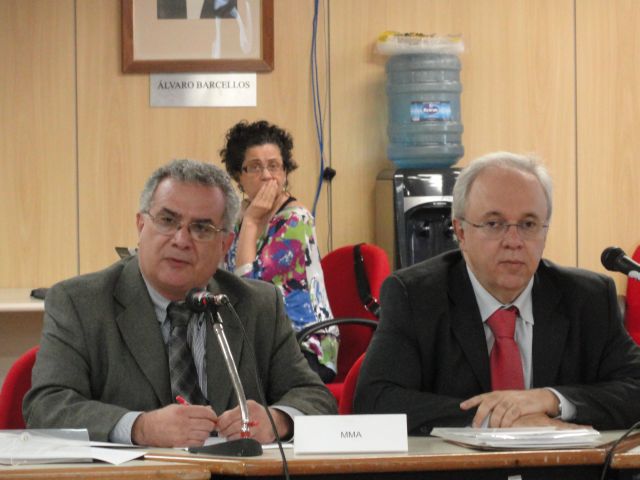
{"points": [[275, 238]]}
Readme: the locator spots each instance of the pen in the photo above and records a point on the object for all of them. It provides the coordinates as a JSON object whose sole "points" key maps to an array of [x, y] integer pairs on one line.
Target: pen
{"points": [[247, 434], [180, 399]]}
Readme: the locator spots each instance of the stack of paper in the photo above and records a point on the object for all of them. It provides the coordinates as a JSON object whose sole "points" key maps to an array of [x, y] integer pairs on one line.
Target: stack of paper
{"points": [[19, 447], [521, 438]]}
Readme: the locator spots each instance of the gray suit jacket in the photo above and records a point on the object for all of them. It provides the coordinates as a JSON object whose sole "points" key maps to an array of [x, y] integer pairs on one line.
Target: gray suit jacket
{"points": [[102, 353], [431, 327]]}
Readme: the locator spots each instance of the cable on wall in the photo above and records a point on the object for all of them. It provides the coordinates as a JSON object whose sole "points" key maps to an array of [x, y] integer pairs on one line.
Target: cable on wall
{"points": [[325, 173]]}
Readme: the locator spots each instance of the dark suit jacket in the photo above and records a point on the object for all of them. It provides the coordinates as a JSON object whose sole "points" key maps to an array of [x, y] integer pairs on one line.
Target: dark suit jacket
{"points": [[429, 352], [102, 353]]}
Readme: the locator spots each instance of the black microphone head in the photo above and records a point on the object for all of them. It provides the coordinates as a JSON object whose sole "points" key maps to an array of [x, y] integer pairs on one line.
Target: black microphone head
{"points": [[198, 300], [610, 258]]}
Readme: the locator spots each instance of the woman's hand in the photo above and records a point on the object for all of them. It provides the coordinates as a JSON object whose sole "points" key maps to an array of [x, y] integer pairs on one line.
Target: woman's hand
{"points": [[254, 220], [263, 205]]}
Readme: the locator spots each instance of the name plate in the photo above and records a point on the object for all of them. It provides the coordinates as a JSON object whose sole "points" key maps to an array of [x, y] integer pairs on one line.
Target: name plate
{"points": [[203, 90], [350, 433]]}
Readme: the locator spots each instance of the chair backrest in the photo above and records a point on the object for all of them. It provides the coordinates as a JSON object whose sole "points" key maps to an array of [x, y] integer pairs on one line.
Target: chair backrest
{"points": [[342, 290], [345, 406], [632, 309], [15, 386]]}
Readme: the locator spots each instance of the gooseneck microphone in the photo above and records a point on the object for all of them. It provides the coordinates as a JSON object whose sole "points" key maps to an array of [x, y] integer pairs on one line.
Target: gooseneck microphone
{"points": [[201, 301], [615, 260]]}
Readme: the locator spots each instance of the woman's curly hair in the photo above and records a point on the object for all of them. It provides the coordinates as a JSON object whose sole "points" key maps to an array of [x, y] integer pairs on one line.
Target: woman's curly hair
{"points": [[244, 135]]}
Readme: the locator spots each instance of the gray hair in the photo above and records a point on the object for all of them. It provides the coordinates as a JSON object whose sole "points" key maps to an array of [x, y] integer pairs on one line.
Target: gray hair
{"points": [[191, 171], [524, 163]]}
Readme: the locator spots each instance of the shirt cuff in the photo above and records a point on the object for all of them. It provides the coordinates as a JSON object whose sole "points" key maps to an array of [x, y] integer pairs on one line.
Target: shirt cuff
{"points": [[121, 433], [567, 408], [291, 413]]}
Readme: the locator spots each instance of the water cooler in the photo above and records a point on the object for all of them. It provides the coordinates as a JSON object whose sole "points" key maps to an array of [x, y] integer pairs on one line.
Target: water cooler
{"points": [[413, 213], [413, 202]]}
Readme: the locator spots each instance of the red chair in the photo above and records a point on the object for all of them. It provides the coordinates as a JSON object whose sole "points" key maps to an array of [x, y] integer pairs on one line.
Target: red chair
{"points": [[345, 406], [632, 308], [15, 386], [355, 321]]}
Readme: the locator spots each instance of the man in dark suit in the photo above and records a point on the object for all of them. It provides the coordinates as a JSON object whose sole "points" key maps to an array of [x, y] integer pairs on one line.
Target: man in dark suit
{"points": [[103, 361], [433, 353]]}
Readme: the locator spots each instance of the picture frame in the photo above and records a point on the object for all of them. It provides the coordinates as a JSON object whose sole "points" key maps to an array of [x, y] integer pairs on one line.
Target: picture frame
{"points": [[172, 36]]}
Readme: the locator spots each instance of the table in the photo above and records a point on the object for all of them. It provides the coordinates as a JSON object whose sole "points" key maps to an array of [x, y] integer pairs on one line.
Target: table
{"points": [[135, 470], [19, 300], [432, 457], [20, 325], [626, 460]]}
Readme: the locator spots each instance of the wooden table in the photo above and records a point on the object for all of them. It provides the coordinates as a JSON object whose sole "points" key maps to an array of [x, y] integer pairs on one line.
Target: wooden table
{"points": [[626, 460], [135, 470], [20, 325], [19, 300], [432, 457]]}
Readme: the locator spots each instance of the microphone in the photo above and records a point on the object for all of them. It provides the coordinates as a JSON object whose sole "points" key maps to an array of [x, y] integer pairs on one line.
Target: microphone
{"points": [[200, 300], [615, 260]]}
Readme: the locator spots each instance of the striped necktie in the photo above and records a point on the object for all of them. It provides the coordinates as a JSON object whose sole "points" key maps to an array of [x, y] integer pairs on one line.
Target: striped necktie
{"points": [[184, 378]]}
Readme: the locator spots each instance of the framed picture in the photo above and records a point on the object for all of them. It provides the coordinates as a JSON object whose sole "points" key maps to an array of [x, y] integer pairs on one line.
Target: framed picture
{"points": [[197, 36]]}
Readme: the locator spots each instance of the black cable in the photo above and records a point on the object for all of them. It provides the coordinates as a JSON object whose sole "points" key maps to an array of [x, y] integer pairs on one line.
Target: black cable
{"points": [[317, 106], [285, 465], [610, 453]]}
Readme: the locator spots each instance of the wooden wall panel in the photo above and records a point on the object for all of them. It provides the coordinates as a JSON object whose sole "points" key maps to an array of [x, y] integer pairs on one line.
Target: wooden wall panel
{"points": [[37, 143], [122, 139], [520, 93], [608, 89], [518, 81]]}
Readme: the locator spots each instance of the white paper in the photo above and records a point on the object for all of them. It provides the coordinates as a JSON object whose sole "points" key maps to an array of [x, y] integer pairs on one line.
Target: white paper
{"points": [[521, 438], [35, 446], [44, 446], [116, 456]]}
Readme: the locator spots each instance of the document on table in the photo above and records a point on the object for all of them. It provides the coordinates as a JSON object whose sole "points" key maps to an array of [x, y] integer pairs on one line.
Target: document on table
{"points": [[521, 438], [35, 446]]}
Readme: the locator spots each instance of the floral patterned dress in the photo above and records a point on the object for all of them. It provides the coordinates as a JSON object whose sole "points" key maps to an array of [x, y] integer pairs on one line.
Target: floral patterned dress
{"points": [[288, 257]]}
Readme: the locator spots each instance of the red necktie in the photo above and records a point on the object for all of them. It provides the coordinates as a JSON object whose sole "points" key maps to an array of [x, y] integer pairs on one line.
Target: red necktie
{"points": [[506, 364]]}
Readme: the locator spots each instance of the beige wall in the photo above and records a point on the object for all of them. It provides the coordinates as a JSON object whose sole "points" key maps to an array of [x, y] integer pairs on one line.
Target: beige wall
{"points": [[556, 77]]}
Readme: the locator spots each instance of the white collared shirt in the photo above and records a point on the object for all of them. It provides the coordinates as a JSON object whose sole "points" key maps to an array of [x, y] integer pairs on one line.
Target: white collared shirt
{"points": [[487, 304]]}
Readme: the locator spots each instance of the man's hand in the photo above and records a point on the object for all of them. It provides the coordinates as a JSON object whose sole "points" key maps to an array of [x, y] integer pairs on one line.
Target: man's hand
{"points": [[542, 420], [174, 426], [230, 423], [505, 407]]}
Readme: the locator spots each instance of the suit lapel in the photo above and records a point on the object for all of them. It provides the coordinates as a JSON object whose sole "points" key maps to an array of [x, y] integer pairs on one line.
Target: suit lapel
{"points": [[549, 323], [140, 330], [219, 385], [467, 326]]}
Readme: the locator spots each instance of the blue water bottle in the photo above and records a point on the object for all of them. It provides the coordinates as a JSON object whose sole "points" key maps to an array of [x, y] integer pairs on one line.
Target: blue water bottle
{"points": [[423, 90]]}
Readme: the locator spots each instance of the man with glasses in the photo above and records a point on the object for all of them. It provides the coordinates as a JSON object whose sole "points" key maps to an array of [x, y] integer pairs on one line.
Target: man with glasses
{"points": [[492, 334], [110, 359]]}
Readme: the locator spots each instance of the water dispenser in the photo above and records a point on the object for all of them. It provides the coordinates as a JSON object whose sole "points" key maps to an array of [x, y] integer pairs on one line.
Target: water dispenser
{"points": [[413, 213]]}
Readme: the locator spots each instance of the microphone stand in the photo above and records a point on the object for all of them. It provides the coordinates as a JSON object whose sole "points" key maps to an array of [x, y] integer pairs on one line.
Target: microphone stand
{"points": [[244, 446]]}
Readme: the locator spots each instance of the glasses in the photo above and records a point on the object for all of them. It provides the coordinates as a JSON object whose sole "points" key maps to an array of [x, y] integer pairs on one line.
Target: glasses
{"points": [[529, 229], [258, 169], [168, 224]]}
